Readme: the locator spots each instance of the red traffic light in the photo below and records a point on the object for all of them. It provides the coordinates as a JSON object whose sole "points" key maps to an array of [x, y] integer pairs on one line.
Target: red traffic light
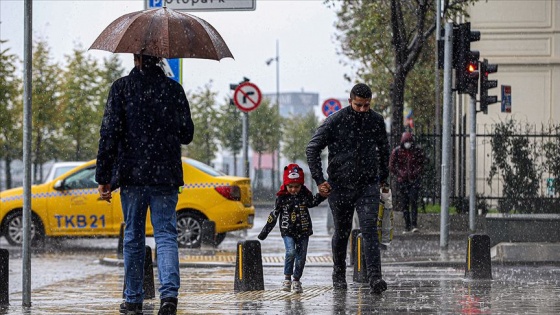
{"points": [[472, 67]]}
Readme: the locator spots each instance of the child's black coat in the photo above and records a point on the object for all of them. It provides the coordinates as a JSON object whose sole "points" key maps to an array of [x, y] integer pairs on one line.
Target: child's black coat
{"points": [[293, 212]]}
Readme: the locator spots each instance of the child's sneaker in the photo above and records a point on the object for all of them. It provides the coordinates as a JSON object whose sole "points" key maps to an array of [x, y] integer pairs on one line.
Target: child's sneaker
{"points": [[287, 285], [297, 287]]}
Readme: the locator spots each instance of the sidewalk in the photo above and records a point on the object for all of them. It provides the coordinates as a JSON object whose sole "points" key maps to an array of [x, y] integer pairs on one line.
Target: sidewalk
{"points": [[413, 288], [420, 280]]}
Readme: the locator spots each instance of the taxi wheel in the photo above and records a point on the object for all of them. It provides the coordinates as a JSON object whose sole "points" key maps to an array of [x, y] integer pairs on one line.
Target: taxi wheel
{"points": [[189, 229], [13, 229]]}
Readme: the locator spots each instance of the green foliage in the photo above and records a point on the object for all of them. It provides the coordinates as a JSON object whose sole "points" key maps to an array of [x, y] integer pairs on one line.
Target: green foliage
{"points": [[264, 133], [552, 154], [515, 161], [82, 106], [204, 115], [47, 120], [11, 111], [390, 46], [230, 125], [298, 130]]}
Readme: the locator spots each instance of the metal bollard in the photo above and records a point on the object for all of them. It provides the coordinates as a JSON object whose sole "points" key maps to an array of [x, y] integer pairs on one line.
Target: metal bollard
{"points": [[479, 263], [148, 285], [4, 277], [121, 242], [208, 235], [248, 267], [354, 234], [360, 269]]}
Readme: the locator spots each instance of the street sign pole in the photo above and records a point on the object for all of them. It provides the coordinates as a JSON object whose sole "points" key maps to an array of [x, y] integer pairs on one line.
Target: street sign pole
{"points": [[245, 134], [247, 97]]}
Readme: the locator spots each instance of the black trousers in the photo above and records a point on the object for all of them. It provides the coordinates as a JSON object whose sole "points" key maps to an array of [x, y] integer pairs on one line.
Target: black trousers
{"points": [[408, 194], [365, 201]]}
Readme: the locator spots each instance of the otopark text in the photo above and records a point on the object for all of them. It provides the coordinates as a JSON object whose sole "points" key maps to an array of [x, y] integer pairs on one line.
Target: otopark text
{"points": [[80, 221], [158, 3]]}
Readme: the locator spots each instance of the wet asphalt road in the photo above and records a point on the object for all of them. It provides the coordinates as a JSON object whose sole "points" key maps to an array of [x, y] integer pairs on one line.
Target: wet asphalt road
{"points": [[67, 278]]}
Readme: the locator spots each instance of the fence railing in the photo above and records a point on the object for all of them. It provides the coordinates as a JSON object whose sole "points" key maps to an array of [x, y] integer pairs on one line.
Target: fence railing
{"points": [[493, 192]]}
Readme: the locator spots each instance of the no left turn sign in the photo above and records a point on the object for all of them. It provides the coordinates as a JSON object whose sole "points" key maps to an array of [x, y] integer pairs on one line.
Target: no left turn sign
{"points": [[247, 96]]}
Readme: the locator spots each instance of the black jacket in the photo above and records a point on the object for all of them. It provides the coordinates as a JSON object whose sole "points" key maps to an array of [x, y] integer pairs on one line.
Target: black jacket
{"points": [[146, 119], [358, 149], [293, 212]]}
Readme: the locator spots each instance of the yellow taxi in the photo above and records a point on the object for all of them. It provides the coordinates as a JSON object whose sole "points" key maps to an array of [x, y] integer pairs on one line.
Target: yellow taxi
{"points": [[69, 206]]}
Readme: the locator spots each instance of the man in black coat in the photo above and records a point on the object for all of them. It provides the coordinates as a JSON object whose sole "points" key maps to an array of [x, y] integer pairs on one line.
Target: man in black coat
{"points": [[146, 119], [357, 164]]}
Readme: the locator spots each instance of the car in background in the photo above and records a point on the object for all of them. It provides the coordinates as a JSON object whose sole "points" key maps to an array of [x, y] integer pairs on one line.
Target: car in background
{"points": [[60, 168], [69, 206]]}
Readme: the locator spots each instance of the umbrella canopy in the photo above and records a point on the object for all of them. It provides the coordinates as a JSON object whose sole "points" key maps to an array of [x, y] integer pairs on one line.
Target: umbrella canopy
{"points": [[163, 33]]}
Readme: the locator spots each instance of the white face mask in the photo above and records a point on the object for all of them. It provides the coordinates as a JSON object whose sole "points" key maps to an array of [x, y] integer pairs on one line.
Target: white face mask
{"points": [[407, 145]]}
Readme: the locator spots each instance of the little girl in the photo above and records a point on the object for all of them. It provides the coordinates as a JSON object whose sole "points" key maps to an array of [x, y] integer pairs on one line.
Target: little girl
{"points": [[292, 203]]}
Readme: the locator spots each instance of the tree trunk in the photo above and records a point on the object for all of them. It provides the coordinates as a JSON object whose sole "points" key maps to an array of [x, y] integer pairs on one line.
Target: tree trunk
{"points": [[397, 95], [234, 164], [8, 172], [259, 172], [272, 177]]}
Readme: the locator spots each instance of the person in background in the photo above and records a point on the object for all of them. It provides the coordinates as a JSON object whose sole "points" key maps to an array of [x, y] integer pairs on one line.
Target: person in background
{"points": [[147, 118], [292, 203], [358, 156], [406, 164]]}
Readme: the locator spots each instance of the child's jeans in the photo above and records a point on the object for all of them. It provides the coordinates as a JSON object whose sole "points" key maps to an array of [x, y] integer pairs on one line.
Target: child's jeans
{"points": [[296, 252]]}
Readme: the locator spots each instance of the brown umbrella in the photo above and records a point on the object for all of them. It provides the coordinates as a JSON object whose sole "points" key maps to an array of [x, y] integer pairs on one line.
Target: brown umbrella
{"points": [[163, 33]]}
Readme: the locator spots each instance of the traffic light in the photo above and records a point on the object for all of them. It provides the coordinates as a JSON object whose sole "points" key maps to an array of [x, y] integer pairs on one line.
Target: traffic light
{"points": [[485, 85], [466, 60]]}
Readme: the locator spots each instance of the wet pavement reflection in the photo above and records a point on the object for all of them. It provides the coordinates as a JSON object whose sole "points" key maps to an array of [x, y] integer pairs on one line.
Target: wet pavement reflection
{"points": [[67, 278]]}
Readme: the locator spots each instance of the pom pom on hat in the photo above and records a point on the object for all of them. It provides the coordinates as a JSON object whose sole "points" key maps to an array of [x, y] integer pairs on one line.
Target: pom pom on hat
{"points": [[293, 174]]}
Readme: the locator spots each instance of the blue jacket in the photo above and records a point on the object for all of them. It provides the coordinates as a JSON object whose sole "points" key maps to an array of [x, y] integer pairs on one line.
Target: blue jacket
{"points": [[146, 119]]}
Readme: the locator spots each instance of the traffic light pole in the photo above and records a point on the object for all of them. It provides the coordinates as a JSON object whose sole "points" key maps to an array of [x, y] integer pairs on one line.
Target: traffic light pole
{"points": [[472, 158], [446, 138]]}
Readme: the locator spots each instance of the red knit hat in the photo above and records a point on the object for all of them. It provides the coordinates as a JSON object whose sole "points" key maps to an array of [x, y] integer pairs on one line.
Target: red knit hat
{"points": [[293, 174]]}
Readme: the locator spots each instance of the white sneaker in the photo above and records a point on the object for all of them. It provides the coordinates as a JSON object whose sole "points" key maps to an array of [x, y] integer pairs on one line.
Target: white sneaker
{"points": [[297, 287], [287, 285], [415, 230]]}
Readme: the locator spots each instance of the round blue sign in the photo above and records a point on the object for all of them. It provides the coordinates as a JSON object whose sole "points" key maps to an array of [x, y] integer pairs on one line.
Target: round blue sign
{"points": [[330, 106]]}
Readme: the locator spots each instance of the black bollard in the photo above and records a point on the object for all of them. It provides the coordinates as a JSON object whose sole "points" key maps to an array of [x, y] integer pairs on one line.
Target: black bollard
{"points": [[4, 277], [479, 263], [121, 241], [148, 285], [353, 236], [360, 269], [248, 267], [208, 235]]}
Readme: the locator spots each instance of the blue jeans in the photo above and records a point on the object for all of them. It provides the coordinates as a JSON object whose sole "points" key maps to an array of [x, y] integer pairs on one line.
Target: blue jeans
{"points": [[365, 201], [296, 253], [162, 202]]}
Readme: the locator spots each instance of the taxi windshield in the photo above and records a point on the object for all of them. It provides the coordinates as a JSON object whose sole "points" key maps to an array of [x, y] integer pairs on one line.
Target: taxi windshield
{"points": [[205, 168]]}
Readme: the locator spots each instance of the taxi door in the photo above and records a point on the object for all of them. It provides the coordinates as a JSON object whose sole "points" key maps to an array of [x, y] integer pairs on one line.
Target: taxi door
{"points": [[76, 209]]}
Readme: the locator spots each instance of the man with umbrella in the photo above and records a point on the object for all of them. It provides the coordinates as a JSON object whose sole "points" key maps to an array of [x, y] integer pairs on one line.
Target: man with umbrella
{"points": [[147, 118]]}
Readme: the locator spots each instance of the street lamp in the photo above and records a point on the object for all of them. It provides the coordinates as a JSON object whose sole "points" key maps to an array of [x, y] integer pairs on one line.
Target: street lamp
{"points": [[268, 62]]}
